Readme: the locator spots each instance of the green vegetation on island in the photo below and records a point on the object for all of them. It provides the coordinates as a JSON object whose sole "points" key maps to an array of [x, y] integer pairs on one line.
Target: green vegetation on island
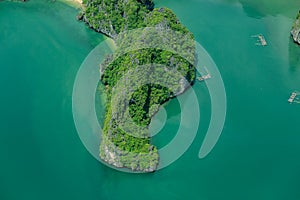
{"points": [[152, 63], [295, 32], [111, 17]]}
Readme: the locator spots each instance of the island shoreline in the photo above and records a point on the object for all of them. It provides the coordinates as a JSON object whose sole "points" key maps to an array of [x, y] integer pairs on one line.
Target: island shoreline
{"points": [[74, 3]]}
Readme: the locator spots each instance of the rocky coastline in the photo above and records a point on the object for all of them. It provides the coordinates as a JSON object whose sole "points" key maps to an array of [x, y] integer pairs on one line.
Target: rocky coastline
{"points": [[295, 32]]}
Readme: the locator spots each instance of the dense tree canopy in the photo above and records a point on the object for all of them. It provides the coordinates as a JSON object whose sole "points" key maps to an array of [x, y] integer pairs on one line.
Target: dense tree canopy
{"points": [[150, 66]]}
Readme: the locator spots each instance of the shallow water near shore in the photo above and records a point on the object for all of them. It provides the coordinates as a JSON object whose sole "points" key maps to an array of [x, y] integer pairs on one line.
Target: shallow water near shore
{"points": [[257, 156]]}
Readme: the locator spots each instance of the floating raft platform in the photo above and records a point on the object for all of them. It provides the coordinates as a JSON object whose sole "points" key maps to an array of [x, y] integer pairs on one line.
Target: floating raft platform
{"points": [[261, 40], [204, 77], [293, 97]]}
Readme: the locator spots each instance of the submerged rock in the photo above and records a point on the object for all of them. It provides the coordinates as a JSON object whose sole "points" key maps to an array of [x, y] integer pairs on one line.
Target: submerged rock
{"points": [[80, 16]]}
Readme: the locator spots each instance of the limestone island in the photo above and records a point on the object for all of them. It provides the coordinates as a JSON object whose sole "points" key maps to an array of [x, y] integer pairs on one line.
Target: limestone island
{"points": [[295, 32], [123, 144]]}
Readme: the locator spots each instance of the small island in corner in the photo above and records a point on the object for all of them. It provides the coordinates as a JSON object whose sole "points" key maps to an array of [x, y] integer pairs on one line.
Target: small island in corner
{"points": [[295, 32]]}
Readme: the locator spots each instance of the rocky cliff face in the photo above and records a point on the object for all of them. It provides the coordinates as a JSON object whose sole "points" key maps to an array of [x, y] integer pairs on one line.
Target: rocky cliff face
{"points": [[111, 17], [295, 32]]}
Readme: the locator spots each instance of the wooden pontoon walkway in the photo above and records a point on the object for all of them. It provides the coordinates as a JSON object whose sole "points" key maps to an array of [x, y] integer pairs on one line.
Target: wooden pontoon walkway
{"points": [[292, 97]]}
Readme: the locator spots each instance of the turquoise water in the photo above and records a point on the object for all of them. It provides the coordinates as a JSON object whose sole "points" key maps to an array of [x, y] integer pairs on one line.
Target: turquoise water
{"points": [[257, 157]]}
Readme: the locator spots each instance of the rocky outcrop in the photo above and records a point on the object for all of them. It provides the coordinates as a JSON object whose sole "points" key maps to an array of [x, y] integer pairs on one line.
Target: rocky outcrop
{"points": [[110, 17], [295, 32], [143, 162]]}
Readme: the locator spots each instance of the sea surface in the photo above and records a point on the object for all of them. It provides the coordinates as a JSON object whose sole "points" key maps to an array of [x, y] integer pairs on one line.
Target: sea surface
{"points": [[257, 157]]}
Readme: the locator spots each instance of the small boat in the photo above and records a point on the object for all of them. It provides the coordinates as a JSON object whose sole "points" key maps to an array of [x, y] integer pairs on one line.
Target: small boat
{"points": [[204, 77]]}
